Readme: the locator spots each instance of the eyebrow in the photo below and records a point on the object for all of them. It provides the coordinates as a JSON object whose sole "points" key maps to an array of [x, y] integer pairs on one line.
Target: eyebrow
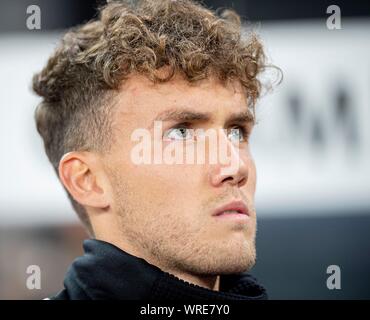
{"points": [[188, 115], [242, 117], [183, 115]]}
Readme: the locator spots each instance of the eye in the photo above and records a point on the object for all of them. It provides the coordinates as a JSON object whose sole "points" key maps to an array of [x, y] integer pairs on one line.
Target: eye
{"points": [[179, 133], [238, 133]]}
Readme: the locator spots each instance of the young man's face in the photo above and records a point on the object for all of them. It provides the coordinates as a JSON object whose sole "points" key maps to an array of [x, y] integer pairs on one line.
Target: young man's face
{"points": [[166, 212]]}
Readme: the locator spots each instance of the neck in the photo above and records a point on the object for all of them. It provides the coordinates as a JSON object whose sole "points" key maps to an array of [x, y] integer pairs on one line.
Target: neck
{"points": [[209, 282]]}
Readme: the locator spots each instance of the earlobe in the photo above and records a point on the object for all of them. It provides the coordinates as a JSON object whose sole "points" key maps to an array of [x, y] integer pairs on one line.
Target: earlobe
{"points": [[79, 173]]}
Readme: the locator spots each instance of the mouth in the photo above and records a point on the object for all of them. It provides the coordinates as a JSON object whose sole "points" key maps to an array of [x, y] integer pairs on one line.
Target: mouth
{"points": [[235, 210]]}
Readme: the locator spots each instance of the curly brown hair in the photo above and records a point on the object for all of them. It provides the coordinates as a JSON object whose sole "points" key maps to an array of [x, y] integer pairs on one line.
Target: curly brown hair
{"points": [[81, 79]]}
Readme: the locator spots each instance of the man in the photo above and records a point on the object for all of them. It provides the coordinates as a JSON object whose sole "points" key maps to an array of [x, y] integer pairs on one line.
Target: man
{"points": [[160, 229]]}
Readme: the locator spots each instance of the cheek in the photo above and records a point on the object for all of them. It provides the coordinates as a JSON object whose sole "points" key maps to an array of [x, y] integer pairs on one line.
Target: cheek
{"points": [[162, 184], [252, 175]]}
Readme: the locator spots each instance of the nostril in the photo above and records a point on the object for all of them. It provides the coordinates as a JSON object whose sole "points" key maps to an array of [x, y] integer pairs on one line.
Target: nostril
{"points": [[228, 179], [242, 182]]}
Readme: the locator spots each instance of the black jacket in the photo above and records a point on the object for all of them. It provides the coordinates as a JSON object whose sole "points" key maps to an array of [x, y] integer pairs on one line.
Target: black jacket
{"points": [[106, 272]]}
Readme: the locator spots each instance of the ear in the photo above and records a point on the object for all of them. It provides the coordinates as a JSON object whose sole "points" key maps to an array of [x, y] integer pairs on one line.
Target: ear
{"points": [[83, 176]]}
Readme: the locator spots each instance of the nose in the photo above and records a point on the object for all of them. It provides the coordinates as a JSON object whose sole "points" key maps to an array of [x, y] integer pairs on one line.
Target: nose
{"points": [[231, 169]]}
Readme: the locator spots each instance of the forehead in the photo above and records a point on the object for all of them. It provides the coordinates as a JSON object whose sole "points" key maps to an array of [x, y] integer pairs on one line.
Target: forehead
{"points": [[140, 100]]}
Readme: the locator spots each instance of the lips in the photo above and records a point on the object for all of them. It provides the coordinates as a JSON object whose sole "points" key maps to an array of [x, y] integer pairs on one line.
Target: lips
{"points": [[234, 207]]}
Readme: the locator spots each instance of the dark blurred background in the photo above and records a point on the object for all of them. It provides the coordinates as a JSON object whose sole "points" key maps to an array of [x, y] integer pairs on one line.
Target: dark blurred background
{"points": [[311, 146]]}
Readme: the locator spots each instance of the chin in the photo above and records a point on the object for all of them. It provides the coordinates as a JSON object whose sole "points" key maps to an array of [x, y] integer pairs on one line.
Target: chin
{"points": [[238, 263], [229, 259], [237, 256]]}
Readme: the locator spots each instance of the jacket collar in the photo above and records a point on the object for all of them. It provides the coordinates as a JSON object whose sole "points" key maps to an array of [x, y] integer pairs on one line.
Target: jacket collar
{"points": [[107, 272]]}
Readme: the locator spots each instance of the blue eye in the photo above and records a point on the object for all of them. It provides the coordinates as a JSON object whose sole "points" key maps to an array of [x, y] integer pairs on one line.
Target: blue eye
{"points": [[238, 134], [179, 133]]}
